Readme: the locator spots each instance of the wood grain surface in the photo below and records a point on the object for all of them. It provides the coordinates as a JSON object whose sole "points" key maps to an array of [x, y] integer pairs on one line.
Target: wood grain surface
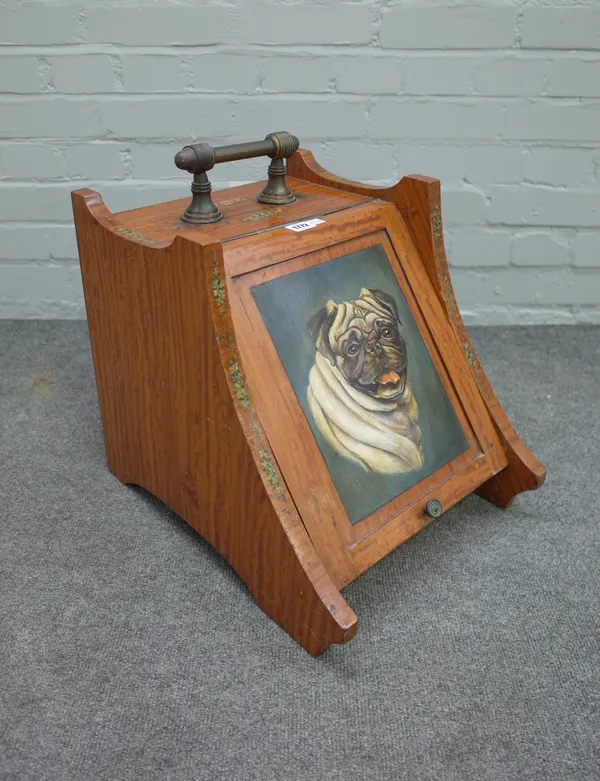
{"points": [[178, 422], [243, 215]]}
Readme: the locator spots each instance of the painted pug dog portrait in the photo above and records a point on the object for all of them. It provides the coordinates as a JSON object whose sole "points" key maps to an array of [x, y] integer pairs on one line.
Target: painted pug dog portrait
{"points": [[359, 392]]}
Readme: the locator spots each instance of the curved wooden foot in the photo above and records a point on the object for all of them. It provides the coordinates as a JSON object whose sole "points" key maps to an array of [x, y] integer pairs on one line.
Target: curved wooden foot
{"points": [[418, 200], [178, 418]]}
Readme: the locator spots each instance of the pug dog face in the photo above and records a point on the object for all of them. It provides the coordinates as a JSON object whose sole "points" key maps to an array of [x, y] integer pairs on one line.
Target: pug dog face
{"points": [[362, 338]]}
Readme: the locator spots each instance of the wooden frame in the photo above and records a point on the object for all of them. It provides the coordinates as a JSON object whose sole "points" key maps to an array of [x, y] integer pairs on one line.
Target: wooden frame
{"points": [[328, 525], [183, 410]]}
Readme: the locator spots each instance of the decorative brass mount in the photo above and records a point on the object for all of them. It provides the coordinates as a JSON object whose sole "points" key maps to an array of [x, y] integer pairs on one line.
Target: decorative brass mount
{"points": [[197, 159]]}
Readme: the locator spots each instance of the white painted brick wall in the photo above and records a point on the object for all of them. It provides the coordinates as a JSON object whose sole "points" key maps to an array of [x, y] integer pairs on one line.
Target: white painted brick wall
{"points": [[499, 99]]}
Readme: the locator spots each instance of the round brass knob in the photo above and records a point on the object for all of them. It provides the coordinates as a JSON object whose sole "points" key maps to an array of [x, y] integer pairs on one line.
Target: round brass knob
{"points": [[433, 508]]}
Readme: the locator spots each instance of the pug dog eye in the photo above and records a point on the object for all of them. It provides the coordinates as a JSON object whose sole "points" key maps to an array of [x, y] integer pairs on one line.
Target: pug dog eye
{"points": [[386, 332], [352, 350]]}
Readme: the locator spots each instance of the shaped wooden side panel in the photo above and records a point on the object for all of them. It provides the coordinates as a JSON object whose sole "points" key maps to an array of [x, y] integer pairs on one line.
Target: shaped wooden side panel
{"points": [[179, 422], [418, 200]]}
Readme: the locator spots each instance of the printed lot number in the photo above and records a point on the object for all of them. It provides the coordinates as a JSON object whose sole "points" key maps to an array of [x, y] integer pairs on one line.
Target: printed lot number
{"points": [[304, 226]]}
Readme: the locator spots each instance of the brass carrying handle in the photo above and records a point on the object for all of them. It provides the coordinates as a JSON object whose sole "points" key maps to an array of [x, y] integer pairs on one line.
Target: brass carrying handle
{"points": [[197, 159]]}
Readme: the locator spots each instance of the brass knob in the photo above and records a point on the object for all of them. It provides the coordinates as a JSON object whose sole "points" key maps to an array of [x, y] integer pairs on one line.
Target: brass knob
{"points": [[433, 508]]}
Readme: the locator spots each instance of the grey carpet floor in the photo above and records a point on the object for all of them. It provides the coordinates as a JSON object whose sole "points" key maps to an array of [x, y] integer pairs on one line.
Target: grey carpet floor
{"points": [[129, 650]]}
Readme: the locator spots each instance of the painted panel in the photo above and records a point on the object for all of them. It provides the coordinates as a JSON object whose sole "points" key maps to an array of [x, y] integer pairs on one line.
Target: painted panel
{"points": [[363, 377]]}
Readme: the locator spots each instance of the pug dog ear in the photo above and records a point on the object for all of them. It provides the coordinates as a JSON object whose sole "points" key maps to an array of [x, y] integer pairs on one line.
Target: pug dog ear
{"points": [[319, 325], [387, 302]]}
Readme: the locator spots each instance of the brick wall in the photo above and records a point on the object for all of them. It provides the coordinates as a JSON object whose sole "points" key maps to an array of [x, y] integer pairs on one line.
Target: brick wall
{"points": [[501, 101]]}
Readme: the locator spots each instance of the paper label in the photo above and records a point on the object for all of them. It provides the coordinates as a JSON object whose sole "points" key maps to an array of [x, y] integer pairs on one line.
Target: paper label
{"points": [[304, 226]]}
